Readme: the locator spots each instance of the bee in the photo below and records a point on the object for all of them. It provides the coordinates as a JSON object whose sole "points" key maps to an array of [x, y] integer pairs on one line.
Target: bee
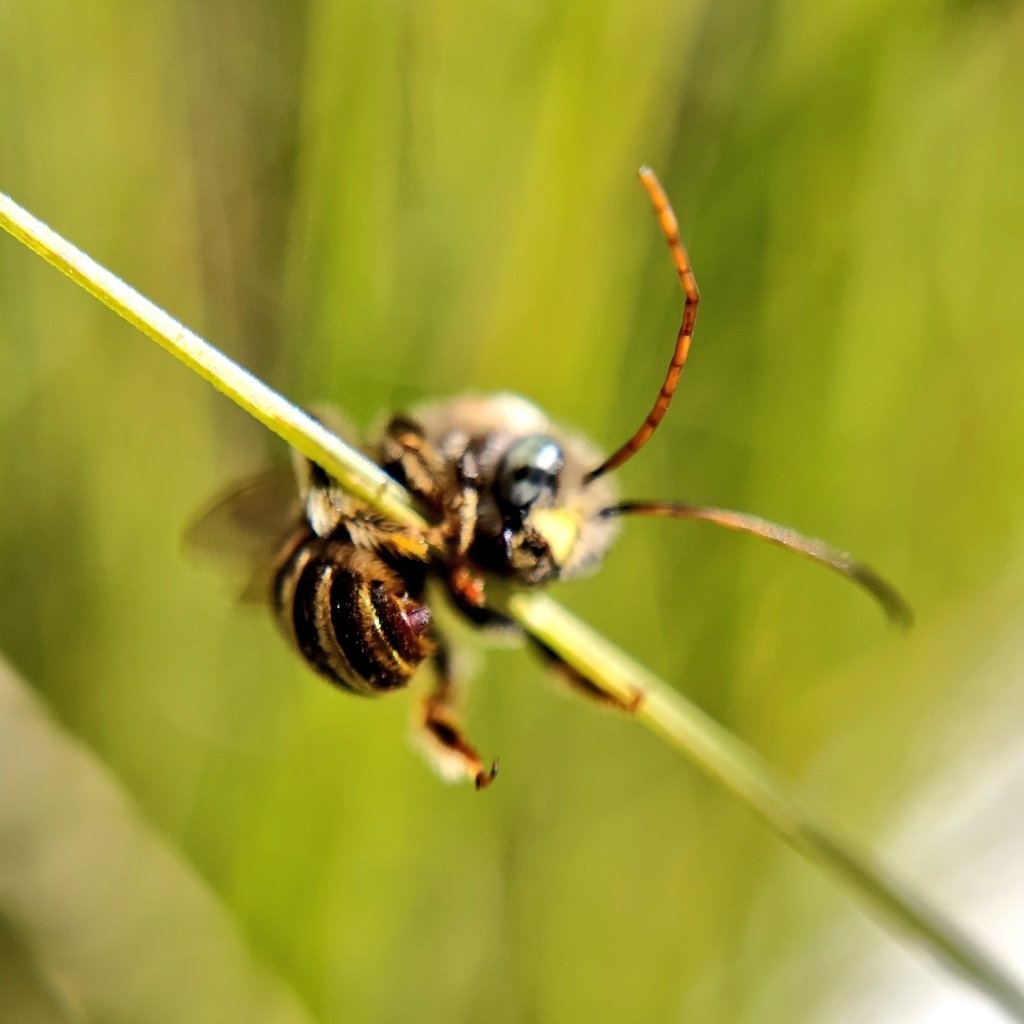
{"points": [[512, 500]]}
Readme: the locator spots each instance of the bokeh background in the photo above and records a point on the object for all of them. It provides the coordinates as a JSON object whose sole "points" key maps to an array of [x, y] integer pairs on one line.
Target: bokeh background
{"points": [[375, 203]]}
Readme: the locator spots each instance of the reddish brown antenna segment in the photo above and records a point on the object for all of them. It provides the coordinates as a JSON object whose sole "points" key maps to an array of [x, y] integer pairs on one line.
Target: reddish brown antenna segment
{"points": [[670, 229], [894, 605]]}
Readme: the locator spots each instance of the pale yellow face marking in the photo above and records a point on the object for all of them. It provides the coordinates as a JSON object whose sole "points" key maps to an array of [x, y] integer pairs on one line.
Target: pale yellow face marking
{"points": [[560, 528]]}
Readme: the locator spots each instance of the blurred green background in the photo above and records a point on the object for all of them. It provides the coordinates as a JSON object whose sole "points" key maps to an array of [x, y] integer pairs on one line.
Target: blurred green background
{"points": [[375, 203]]}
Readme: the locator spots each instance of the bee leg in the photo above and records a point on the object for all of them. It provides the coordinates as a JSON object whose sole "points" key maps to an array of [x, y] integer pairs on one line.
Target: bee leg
{"points": [[467, 502], [583, 685], [467, 589], [448, 749], [412, 460]]}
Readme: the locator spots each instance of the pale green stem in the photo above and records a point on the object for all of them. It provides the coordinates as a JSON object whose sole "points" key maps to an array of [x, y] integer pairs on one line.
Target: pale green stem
{"points": [[725, 758], [352, 469], [711, 748]]}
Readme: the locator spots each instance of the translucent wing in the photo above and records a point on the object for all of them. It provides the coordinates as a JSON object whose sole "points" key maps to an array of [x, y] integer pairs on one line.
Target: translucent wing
{"points": [[247, 527]]}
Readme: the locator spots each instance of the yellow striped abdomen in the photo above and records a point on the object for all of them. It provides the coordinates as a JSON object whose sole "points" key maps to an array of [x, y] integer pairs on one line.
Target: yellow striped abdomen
{"points": [[350, 615]]}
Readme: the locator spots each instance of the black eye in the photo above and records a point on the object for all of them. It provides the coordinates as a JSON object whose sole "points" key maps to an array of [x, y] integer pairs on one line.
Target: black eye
{"points": [[528, 469]]}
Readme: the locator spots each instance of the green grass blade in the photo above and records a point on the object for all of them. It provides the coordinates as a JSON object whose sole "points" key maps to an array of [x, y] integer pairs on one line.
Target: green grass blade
{"points": [[720, 755], [290, 423]]}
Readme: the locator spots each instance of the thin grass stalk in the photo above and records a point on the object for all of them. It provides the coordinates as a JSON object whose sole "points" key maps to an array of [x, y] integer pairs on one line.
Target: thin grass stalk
{"points": [[709, 747]]}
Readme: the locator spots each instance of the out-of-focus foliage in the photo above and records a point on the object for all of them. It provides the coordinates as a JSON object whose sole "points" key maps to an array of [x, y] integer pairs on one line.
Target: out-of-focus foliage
{"points": [[120, 927], [376, 203]]}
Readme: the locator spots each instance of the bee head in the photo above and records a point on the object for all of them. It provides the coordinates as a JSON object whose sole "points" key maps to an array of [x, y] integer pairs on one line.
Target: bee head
{"points": [[544, 531], [526, 487]]}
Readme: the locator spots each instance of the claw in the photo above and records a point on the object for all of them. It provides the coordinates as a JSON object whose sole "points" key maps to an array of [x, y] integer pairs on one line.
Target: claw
{"points": [[484, 779]]}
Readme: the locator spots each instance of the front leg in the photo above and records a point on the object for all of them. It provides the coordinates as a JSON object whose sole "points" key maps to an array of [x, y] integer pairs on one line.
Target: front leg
{"points": [[409, 457], [448, 490], [440, 734]]}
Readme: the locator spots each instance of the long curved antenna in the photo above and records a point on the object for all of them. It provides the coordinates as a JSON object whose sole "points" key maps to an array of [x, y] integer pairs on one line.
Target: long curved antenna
{"points": [[670, 229], [895, 607]]}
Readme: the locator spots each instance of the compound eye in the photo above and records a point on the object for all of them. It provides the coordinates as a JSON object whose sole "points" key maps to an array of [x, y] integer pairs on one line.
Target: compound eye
{"points": [[528, 469]]}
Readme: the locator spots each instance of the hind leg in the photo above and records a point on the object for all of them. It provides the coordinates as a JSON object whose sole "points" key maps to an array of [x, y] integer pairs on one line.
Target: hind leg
{"points": [[440, 735], [580, 684]]}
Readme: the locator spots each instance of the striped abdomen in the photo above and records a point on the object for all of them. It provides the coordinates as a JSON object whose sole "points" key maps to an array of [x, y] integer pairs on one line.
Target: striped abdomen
{"points": [[349, 615]]}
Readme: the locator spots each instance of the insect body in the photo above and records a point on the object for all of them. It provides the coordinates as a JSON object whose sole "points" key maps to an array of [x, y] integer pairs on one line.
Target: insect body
{"points": [[513, 500], [350, 614]]}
